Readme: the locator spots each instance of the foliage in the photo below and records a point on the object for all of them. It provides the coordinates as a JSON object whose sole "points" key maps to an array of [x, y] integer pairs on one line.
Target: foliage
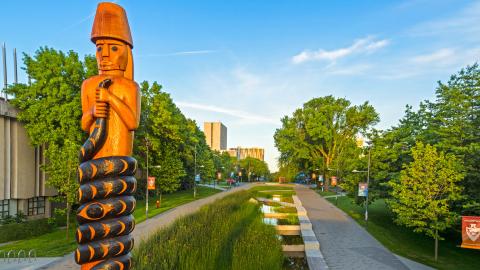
{"points": [[50, 110], [54, 244], [455, 126], [160, 127], [26, 229], [318, 134], [253, 168], [402, 241], [422, 197], [228, 234], [173, 142], [450, 122], [224, 163]]}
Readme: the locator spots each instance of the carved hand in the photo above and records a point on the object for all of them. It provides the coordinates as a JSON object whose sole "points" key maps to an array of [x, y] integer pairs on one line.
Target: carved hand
{"points": [[102, 98]]}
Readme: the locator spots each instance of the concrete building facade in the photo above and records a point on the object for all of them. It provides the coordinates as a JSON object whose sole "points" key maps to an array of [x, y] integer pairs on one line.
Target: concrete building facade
{"points": [[241, 153], [216, 135], [22, 182]]}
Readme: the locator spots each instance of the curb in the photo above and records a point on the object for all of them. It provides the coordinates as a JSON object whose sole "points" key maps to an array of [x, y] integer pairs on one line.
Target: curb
{"points": [[312, 246]]}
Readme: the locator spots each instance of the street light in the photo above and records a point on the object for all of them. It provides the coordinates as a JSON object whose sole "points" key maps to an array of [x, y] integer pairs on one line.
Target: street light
{"points": [[195, 170], [368, 185], [147, 144]]}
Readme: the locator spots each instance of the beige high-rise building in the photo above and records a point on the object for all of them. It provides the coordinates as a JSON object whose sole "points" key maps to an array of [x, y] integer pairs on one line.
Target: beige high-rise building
{"points": [[241, 153], [216, 135], [22, 183]]}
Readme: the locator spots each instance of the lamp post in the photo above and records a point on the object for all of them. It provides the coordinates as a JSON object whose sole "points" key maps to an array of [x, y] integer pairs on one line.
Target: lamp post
{"points": [[368, 185], [219, 176], [147, 144], [195, 172], [146, 187]]}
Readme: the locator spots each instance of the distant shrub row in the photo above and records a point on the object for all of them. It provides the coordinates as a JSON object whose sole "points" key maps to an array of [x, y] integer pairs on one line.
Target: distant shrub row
{"points": [[27, 229]]}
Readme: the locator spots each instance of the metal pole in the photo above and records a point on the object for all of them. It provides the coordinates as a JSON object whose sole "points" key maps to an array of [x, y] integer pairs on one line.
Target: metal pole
{"points": [[5, 84], [195, 172], [368, 190], [146, 191], [15, 75]]}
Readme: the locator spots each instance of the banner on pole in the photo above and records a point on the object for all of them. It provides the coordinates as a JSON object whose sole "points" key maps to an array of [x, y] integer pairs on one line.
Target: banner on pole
{"points": [[320, 178], [362, 189], [334, 181], [470, 232], [151, 183]]}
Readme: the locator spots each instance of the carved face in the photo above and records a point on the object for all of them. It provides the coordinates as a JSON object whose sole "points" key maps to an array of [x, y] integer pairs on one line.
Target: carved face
{"points": [[111, 54]]}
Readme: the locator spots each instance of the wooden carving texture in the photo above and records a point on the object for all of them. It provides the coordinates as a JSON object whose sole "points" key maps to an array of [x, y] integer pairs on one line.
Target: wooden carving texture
{"points": [[111, 112]]}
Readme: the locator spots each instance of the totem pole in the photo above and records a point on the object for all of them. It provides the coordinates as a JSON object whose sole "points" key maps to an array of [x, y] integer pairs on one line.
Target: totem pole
{"points": [[111, 113]]}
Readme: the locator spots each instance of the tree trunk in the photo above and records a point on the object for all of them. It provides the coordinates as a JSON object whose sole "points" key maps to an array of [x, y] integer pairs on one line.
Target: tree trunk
{"points": [[68, 217], [326, 180], [436, 244]]}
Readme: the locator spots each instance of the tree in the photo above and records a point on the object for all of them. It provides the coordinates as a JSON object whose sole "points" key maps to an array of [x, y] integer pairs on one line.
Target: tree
{"points": [[160, 126], [455, 127], [223, 163], [321, 130], [254, 167], [422, 197], [50, 109]]}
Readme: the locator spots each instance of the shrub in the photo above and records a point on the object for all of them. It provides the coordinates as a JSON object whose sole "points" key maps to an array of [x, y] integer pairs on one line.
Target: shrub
{"points": [[227, 234], [27, 229]]}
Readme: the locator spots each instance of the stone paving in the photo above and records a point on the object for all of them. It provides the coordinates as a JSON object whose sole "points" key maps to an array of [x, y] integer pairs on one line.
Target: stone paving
{"points": [[344, 243], [145, 229]]}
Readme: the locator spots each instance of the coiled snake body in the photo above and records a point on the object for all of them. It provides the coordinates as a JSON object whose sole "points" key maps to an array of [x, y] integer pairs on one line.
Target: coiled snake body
{"points": [[105, 215]]}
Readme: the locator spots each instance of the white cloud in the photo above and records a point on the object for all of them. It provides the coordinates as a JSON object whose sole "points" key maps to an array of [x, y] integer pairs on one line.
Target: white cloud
{"points": [[250, 118], [441, 55], [349, 70], [364, 45], [246, 79], [464, 23], [180, 53]]}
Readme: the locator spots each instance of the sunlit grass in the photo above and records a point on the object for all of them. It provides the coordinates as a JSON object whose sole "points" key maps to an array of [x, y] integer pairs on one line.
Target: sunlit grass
{"points": [[55, 244], [227, 234], [404, 242]]}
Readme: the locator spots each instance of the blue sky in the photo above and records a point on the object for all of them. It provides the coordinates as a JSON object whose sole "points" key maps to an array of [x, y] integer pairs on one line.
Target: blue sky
{"points": [[248, 63]]}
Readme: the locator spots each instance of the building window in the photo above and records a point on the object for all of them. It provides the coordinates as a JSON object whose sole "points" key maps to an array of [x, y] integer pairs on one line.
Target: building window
{"points": [[4, 208], [36, 206]]}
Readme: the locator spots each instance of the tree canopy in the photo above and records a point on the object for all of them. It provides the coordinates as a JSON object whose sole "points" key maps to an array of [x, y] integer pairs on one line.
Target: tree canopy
{"points": [[318, 134]]}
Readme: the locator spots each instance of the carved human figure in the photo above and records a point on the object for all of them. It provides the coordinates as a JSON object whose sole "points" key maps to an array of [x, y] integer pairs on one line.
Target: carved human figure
{"points": [[111, 113]]}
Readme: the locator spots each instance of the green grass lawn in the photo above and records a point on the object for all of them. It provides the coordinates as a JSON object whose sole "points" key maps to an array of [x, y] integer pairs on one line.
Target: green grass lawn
{"points": [[404, 242], [54, 244]]}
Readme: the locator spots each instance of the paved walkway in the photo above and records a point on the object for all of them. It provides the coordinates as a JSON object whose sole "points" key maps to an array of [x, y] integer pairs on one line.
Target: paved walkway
{"points": [[145, 229], [344, 243]]}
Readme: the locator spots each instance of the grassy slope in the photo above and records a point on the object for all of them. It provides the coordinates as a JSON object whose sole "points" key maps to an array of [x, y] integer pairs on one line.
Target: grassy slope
{"points": [[54, 244], [228, 234], [404, 242]]}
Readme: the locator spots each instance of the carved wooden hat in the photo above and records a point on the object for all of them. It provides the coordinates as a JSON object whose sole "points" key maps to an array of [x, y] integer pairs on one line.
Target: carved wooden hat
{"points": [[111, 22]]}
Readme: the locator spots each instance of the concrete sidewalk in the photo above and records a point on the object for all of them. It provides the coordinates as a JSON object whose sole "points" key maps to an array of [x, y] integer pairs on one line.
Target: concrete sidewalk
{"points": [[145, 229], [344, 243]]}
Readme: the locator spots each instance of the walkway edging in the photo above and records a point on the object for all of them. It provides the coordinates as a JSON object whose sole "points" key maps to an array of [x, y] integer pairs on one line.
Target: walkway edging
{"points": [[313, 253]]}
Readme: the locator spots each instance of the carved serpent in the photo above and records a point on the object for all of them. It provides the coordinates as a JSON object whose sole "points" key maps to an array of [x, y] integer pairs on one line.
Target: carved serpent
{"points": [[105, 215]]}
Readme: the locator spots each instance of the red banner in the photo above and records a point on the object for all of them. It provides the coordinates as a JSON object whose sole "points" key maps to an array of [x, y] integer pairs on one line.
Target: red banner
{"points": [[151, 183], [470, 232], [334, 181]]}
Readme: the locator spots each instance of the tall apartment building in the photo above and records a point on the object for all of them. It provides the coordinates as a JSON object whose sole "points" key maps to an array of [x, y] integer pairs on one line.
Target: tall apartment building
{"points": [[22, 183], [216, 135], [241, 153]]}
